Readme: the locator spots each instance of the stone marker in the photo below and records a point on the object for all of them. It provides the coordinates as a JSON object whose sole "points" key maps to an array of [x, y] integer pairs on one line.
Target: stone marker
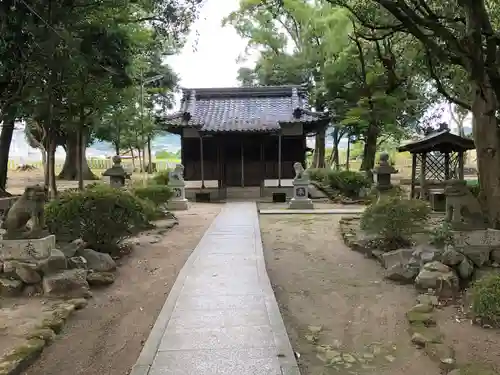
{"points": [[300, 200], [178, 185], [382, 174]]}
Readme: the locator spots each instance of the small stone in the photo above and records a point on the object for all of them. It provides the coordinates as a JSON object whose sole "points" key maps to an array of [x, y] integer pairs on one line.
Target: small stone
{"points": [[420, 318], [447, 363], [54, 263], [368, 356], [330, 354], [10, 288], [315, 329], [71, 249], [347, 365], [78, 303], [390, 358], [337, 344], [100, 278], [67, 283], [465, 269], [336, 360], [348, 358], [422, 308], [45, 334], [428, 299], [419, 339], [311, 338], [323, 348]]}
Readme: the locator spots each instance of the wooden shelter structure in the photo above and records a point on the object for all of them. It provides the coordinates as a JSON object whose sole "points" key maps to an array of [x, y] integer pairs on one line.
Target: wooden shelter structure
{"points": [[437, 157], [242, 136]]}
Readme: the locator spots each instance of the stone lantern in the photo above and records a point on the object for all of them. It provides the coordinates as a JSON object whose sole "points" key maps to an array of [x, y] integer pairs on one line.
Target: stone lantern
{"points": [[117, 175], [382, 174]]}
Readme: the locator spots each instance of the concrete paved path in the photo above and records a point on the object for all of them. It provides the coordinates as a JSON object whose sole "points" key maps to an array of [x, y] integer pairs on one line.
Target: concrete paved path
{"points": [[314, 211], [221, 316]]}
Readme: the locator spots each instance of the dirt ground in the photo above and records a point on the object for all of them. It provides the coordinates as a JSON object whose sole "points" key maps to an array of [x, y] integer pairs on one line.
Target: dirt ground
{"points": [[107, 336], [318, 281]]}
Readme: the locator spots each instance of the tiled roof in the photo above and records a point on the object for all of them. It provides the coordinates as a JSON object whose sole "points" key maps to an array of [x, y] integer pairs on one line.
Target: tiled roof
{"points": [[439, 140], [244, 109]]}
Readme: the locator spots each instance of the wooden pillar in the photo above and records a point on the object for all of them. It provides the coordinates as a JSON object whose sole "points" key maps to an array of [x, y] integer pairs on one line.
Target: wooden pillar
{"points": [[218, 167], [183, 161], [279, 160], [446, 166], [242, 165], [202, 166], [413, 174], [423, 165], [262, 167], [460, 165]]}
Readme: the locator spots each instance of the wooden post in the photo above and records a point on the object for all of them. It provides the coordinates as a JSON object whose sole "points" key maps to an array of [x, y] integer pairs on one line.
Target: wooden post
{"points": [[413, 174], [446, 166], [242, 165], [262, 168], [423, 165], [460, 165], [279, 160], [202, 164]]}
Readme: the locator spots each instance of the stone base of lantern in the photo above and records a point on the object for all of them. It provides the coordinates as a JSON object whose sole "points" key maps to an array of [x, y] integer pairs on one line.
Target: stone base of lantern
{"points": [[300, 204], [178, 205]]}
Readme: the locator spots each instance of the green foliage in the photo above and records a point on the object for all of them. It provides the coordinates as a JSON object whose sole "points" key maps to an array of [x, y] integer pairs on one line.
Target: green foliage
{"points": [[441, 236], [395, 219], [486, 299], [161, 178], [349, 183], [318, 174], [158, 194], [100, 215], [168, 155]]}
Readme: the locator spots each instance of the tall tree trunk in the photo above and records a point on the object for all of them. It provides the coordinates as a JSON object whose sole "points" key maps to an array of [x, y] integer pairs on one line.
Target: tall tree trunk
{"points": [[334, 156], [51, 162], [5, 141], [132, 155], [45, 164], [348, 153], [150, 164], [141, 165], [370, 149], [80, 156], [320, 148], [487, 139], [70, 170], [117, 148]]}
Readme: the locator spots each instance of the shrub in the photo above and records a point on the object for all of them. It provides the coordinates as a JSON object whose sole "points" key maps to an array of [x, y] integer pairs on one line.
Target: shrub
{"points": [[349, 183], [395, 219], [158, 194], [485, 294], [161, 178], [101, 216], [441, 236], [318, 174]]}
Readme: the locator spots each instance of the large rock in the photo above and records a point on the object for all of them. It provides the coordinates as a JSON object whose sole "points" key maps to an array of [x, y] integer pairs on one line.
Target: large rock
{"points": [[479, 255], [424, 254], [438, 276], [27, 274], [67, 283], [77, 262], [54, 263], [452, 257], [100, 278], [402, 273], [72, 248], [100, 262], [396, 257], [10, 288], [465, 269], [495, 256]]}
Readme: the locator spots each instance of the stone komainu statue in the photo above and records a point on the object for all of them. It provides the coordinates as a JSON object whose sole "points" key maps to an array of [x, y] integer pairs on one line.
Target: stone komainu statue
{"points": [[177, 174], [300, 173], [30, 206], [463, 210]]}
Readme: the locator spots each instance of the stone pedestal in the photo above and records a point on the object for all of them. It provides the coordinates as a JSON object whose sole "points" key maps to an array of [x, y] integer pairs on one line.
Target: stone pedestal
{"points": [[27, 250], [300, 200], [178, 201]]}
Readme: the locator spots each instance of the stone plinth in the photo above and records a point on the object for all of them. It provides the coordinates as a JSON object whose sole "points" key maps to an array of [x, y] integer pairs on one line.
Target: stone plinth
{"points": [[178, 201], [300, 200], [27, 249]]}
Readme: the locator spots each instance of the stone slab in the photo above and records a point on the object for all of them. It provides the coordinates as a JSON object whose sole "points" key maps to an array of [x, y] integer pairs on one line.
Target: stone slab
{"points": [[323, 211], [28, 249], [178, 205]]}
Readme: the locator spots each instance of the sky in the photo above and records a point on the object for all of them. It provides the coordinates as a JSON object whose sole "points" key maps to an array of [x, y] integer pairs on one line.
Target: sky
{"points": [[209, 58]]}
